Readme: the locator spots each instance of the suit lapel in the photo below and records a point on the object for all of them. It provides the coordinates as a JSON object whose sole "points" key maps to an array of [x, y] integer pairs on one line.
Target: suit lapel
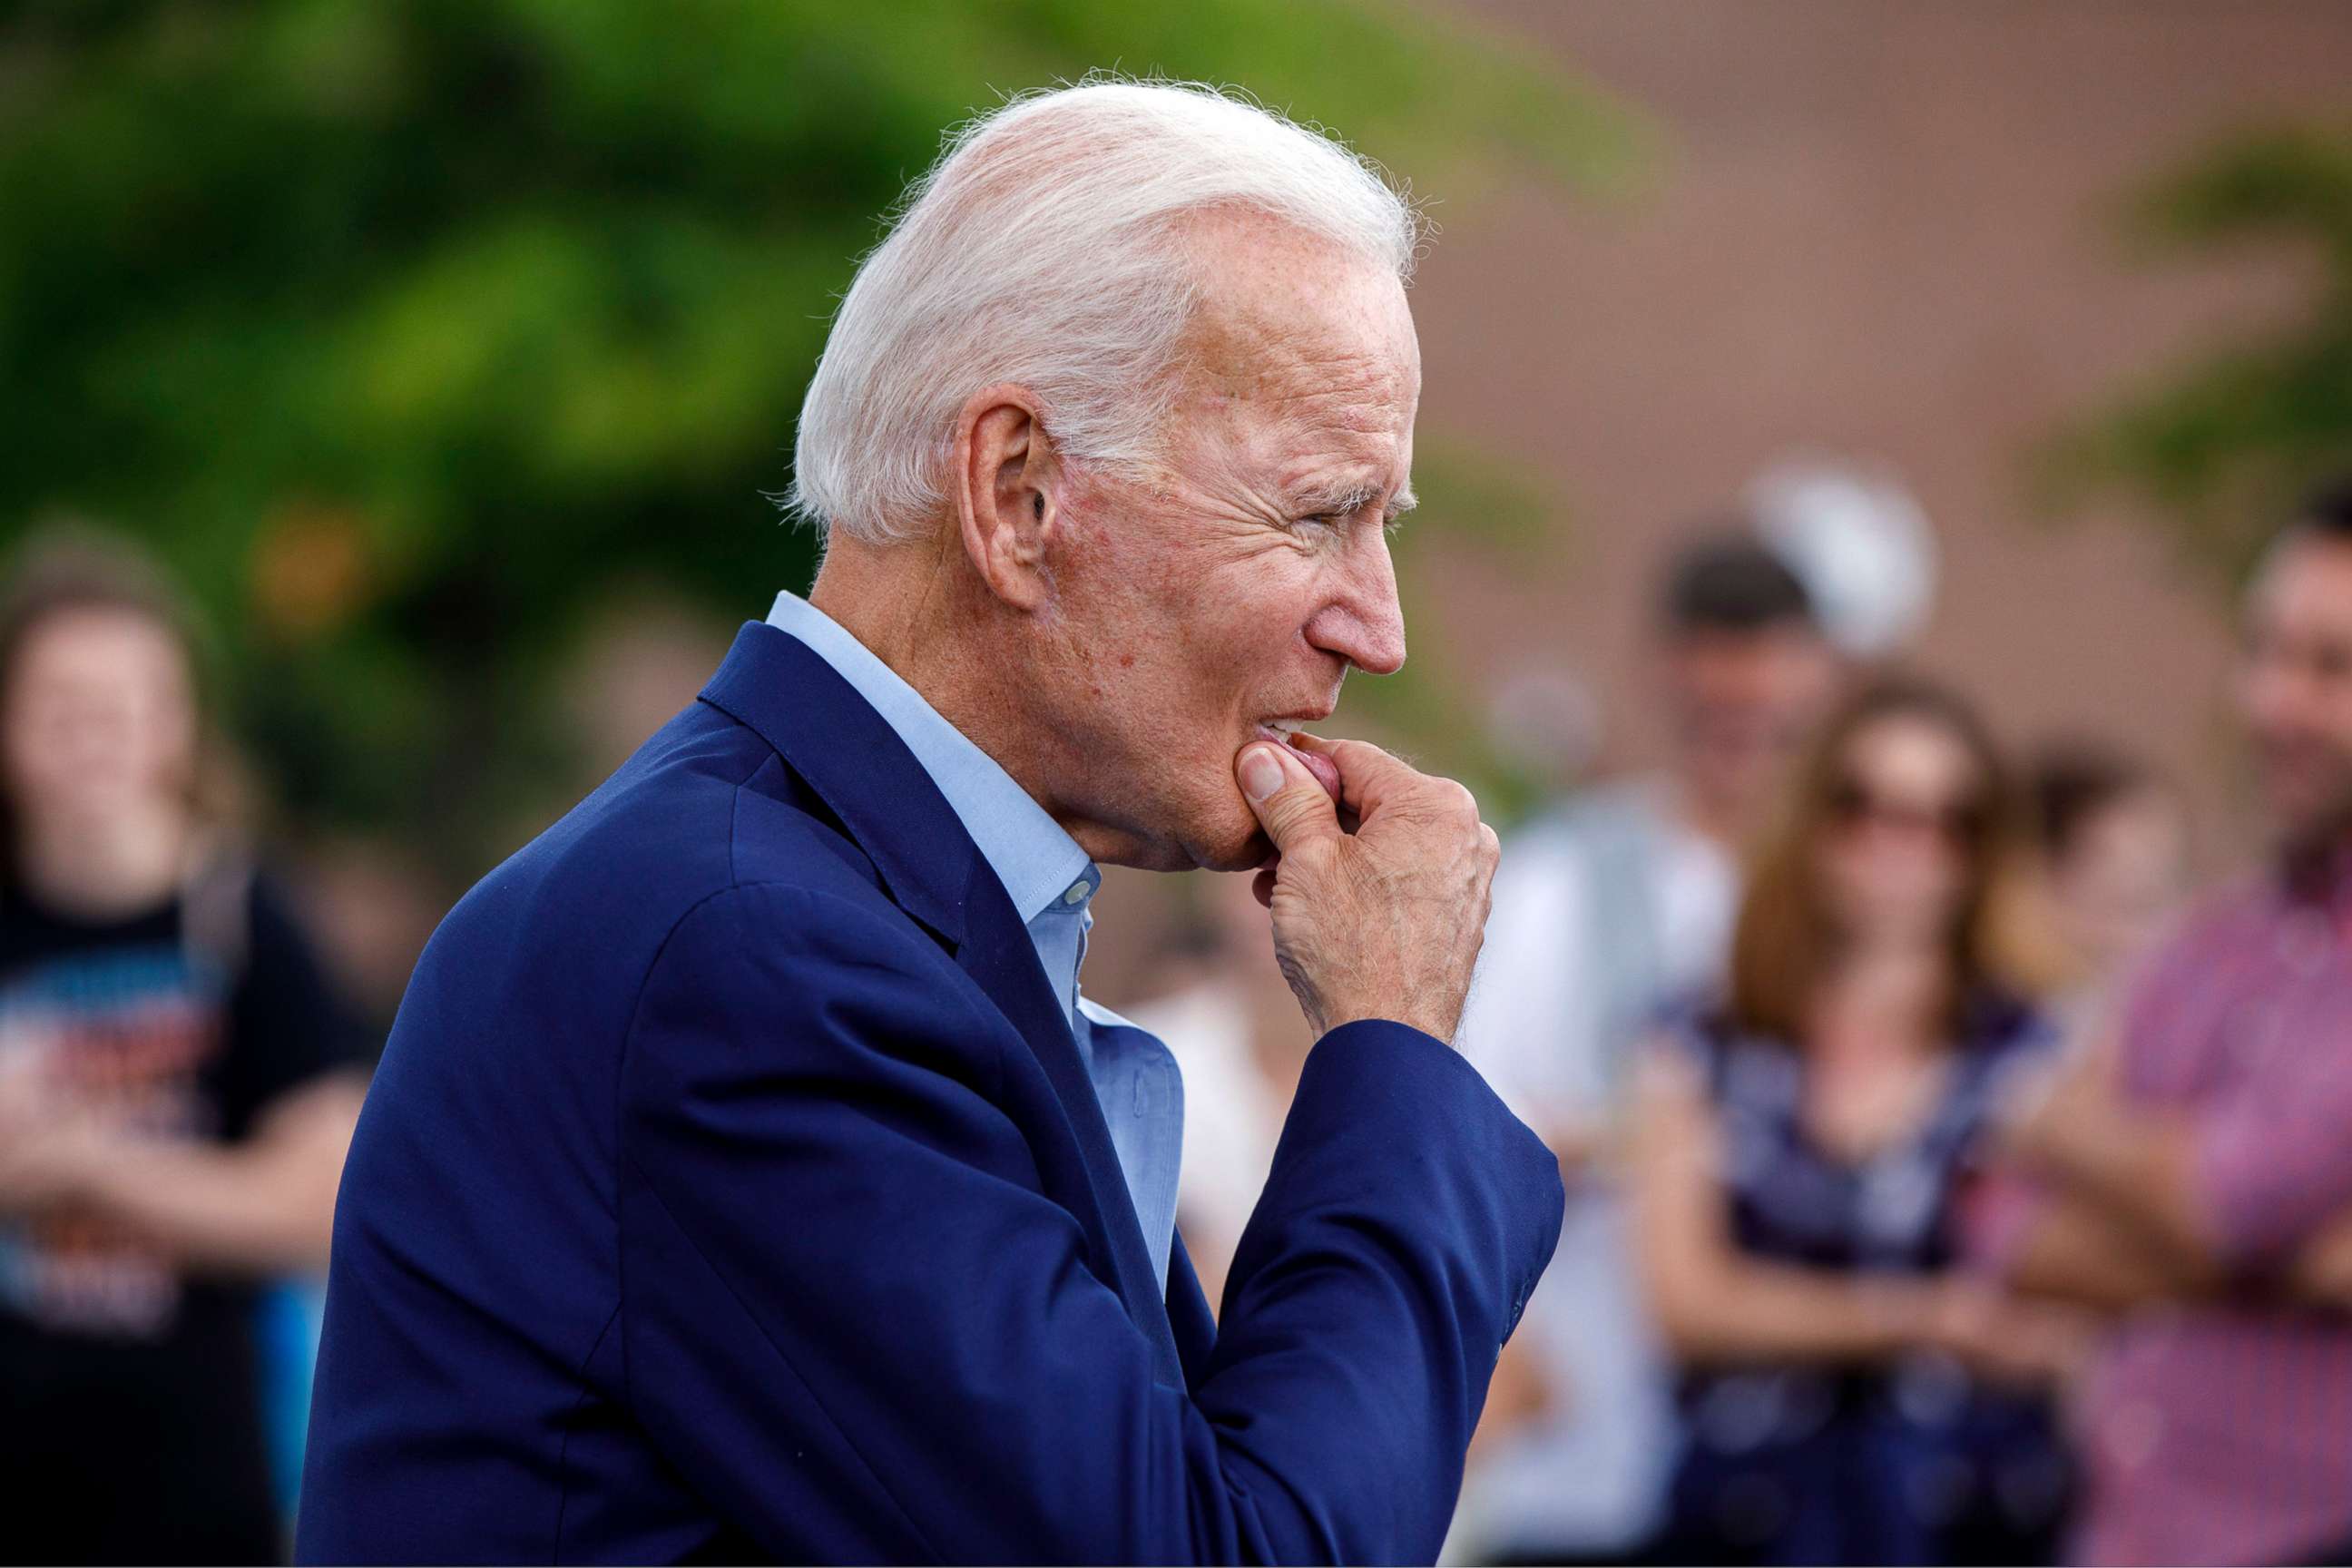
{"points": [[1001, 960], [857, 765]]}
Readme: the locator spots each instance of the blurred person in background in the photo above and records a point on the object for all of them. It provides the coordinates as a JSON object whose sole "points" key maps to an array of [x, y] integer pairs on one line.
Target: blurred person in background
{"points": [[1608, 911], [2191, 1174], [178, 1086], [2112, 851], [1799, 1153]]}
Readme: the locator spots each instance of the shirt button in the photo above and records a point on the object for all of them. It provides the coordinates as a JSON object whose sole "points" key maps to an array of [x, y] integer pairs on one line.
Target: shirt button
{"points": [[1078, 893]]}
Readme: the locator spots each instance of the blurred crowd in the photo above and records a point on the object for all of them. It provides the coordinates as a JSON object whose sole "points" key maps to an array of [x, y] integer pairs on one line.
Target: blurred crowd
{"points": [[1950, 1180]]}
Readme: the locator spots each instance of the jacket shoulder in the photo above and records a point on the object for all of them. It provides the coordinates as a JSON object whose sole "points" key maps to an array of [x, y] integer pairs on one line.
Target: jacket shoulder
{"points": [[550, 953], [704, 806]]}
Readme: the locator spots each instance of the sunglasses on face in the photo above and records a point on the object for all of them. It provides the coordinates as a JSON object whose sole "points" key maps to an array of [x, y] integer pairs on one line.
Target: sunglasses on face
{"points": [[1854, 804]]}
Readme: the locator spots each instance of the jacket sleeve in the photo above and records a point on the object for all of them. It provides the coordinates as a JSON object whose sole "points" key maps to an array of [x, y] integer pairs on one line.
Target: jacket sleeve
{"points": [[850, 1315]]}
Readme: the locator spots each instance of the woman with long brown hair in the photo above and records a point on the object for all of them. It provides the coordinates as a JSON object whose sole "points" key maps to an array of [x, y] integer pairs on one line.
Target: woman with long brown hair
{"points": [[1801, 1148]]}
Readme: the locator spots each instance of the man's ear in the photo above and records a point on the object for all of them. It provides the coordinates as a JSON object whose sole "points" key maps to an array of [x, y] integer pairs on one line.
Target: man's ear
{"points": [[1007, 489]]}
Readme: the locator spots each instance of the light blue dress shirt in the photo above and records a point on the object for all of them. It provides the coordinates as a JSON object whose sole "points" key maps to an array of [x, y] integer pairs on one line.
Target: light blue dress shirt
{"points": [[1052, 884]]}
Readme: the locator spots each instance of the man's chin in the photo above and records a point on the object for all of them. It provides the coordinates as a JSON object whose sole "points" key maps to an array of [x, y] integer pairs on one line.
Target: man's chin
{"points": [[1208, 830], [1212, 847], [1235, 844], [2310, 817], [1253, 853], [2318, 834]]}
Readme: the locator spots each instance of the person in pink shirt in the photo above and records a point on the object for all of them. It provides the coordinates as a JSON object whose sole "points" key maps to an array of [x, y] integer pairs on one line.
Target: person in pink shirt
{"points": [[2190, 1172]]}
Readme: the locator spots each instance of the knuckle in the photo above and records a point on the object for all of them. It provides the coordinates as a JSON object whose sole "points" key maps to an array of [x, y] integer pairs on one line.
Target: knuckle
{"points": [[1438, 799]]}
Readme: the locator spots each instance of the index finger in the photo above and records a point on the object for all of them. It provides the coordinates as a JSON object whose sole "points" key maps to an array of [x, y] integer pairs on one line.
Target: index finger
{"points": [[1368, 776]]}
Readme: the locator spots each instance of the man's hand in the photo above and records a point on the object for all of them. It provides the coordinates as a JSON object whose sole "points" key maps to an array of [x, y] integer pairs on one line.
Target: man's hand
{"points": [[2056, 1121], [2020, 1344], [1384, 922], [2079, 1131]]}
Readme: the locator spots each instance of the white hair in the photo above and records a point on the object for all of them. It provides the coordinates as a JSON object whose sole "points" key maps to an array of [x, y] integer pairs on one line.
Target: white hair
{"points": [[1046, 248]]}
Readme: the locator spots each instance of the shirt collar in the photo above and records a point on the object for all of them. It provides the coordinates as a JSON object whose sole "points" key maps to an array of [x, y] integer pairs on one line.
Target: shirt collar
{"points": [[1038, 863]]}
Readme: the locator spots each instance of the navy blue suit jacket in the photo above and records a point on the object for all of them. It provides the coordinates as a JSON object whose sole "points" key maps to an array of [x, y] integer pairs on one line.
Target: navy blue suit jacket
{"points": [[732, 1187]]}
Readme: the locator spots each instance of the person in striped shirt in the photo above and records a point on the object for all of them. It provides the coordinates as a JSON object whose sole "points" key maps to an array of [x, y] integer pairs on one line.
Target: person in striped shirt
{"points": [[2190, 1172]]}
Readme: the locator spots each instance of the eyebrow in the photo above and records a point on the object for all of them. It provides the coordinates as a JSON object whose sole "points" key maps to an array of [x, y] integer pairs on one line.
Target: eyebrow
{"points": [[1353, 499]]}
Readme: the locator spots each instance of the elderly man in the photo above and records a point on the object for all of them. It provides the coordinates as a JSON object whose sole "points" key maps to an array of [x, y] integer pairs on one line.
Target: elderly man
{"points": [[746, 1175]]}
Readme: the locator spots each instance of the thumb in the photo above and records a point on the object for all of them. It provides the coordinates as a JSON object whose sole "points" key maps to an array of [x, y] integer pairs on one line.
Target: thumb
{"points": [[1290, 805]]}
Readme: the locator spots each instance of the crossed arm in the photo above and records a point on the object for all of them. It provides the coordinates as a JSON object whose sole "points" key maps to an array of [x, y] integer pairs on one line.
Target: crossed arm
{"points": [[258, 1207], [1716, 1304], [2132, 1212]]}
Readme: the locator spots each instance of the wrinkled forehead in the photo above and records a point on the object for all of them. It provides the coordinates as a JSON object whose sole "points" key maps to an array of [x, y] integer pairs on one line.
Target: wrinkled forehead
{"points": [[1298, 328]]}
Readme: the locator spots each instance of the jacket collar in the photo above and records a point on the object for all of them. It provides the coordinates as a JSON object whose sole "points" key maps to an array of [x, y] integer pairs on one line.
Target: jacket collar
{"points": [[855, 761], [1031, 854]]}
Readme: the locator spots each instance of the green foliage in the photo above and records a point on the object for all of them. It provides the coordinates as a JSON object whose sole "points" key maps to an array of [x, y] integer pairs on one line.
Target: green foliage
{"points": [[2219, 449], [402, 328]]}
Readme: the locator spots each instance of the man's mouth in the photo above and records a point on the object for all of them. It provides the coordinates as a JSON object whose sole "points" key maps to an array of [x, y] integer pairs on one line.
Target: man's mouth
{"points": [[1281, 732]]}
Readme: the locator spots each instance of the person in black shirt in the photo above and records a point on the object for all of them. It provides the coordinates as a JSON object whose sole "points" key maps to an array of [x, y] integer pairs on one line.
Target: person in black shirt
{"points": [[178, 1083]]}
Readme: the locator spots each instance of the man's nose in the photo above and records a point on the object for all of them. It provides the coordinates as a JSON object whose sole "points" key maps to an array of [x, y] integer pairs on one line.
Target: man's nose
{"points": [[1364, 624]]}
